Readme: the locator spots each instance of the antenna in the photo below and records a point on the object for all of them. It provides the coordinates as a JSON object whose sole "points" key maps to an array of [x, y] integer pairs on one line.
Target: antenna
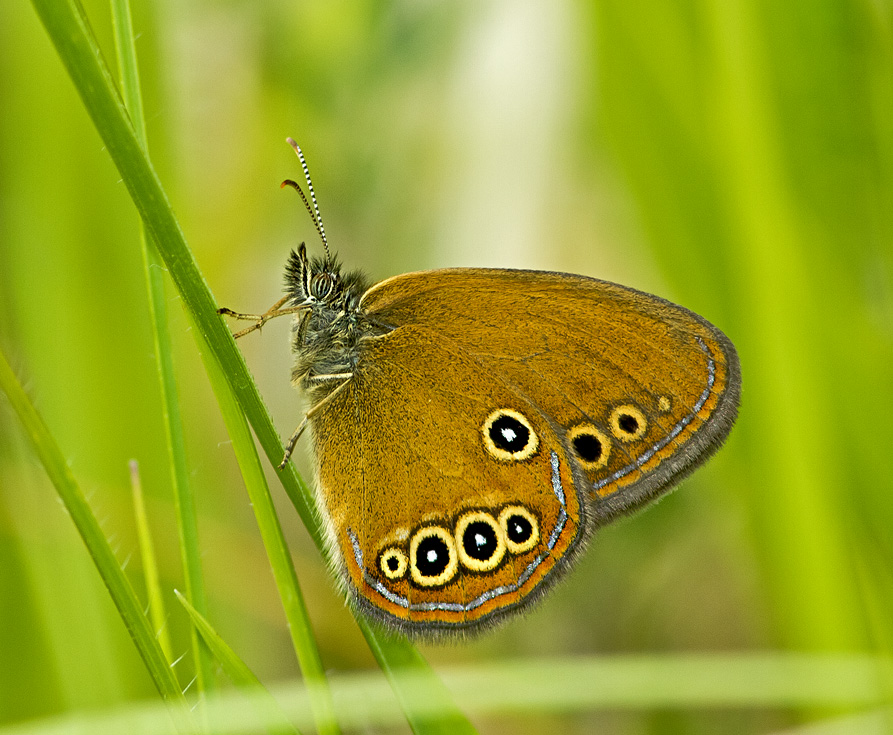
{"points": [[314, 211]]}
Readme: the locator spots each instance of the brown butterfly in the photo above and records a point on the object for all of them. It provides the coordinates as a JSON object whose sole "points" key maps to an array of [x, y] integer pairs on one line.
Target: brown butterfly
{"points": [[474, 427]]}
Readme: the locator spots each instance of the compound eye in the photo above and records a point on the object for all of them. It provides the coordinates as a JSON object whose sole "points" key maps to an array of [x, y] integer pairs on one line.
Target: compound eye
{"points": [[322, 285]]}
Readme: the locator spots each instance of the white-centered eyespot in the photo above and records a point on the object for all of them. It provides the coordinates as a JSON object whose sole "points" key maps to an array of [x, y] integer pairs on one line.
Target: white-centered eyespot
{"points": [[393, 563], [627, 423], [521, 529], [432, 556], [480, 541], [508, 435], [591, 447]]}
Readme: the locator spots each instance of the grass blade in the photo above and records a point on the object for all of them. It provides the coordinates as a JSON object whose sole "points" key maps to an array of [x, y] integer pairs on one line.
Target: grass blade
{"points": [[83, 61], [763, 681], [88, 527], [286, 578], [428, 704], [184, 499], [157, 611], [237, 670]]}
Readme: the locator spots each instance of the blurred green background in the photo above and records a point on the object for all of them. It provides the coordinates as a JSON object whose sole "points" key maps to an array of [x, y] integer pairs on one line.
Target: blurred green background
{"points": [[735, 156]]}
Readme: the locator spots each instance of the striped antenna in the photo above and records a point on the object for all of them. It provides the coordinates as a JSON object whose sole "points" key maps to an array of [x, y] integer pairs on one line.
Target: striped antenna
{"points": [[297, 187], [314, 213]]}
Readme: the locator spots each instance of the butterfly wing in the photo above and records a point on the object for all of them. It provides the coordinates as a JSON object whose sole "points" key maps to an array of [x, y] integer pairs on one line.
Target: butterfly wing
{"points": [[504, 417], [643, 390], [432, 532]]}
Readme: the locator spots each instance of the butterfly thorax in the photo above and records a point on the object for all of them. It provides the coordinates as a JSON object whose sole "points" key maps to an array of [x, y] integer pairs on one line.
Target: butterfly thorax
{"points": [[328, 335]]}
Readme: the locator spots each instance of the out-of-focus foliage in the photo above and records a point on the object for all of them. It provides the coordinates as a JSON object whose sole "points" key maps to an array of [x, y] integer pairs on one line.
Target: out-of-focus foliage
{"points": [[734, 156]]}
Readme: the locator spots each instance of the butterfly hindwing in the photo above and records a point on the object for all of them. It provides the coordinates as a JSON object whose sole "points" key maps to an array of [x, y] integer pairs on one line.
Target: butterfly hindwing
{"points": [[406, 472]]}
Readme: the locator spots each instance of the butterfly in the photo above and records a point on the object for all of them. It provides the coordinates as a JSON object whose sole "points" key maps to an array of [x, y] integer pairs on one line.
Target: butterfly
{"points": [[472, 428]]}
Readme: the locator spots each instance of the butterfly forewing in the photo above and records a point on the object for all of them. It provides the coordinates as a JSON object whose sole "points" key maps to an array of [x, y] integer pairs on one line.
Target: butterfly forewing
{"points": [[644, 388]]}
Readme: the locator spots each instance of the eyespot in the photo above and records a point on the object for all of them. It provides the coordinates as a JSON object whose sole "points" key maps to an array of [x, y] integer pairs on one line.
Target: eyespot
{"points": [[591, 447], [664, 404], [480, 541], [627, 423], [509, 436], [521, 529], [393, 563], [432, 557]]}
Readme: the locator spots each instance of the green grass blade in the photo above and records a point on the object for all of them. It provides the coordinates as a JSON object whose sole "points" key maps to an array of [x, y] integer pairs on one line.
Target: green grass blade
{"points": [[748, 136], [237, 670], [277, 550], [112, 575], [128, 67], [93, 82], [184, 499], [157, 612], [769, 682], [428, 704], [83, 60]]}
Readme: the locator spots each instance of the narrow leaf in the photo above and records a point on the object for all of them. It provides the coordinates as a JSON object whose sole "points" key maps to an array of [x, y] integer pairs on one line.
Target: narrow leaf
{"points": [[88, 527], [157, 612], [237, 670], [184, 500], [84, 63]]}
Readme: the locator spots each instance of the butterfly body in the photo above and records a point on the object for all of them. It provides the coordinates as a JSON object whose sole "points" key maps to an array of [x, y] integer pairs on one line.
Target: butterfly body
{"points": [[328, 334], [473, 427]]}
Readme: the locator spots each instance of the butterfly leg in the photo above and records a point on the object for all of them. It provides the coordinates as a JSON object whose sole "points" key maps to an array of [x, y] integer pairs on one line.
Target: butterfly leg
{"points": [[293, 440], [261, 319]]}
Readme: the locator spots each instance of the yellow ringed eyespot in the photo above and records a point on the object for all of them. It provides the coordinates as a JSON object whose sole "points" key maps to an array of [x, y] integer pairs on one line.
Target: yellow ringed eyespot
{"points": [[432, 556], [508, 435], [627, 423], [591, 447], [393, 563], [480, 541], [521, 528]]}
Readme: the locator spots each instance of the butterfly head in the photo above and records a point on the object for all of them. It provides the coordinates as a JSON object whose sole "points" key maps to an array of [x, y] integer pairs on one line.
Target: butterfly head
{"points": [[316, 282], [319, 283]]}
